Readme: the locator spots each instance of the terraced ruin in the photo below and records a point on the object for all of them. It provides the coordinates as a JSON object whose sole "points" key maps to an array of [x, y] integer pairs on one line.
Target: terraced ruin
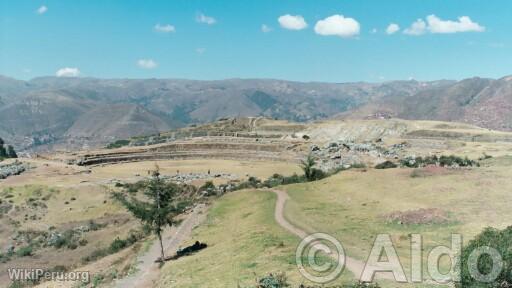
{"points": [[334, 143]]}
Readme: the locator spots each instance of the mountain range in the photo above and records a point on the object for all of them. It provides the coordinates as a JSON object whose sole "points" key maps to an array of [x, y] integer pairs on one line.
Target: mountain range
{"points": [[61, 112]]}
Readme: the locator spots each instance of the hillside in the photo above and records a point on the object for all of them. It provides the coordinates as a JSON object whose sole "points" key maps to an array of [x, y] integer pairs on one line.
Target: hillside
{"points": [[62, 205], [53, 113]]}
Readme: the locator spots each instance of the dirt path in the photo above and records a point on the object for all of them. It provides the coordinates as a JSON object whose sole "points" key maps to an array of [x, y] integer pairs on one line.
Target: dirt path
{"points": [[353, 265], [148, 271]]}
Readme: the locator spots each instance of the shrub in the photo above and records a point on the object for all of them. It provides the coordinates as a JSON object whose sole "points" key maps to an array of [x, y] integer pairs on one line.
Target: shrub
{"points": [[209, 188], [67, 239], [253, 181], [117, 245], [82, 242], [386, 165], [277, 280], [24, 251], [317, 174], [278, 179], [501, 240], [443, 161], [207, 185], [118, 144], [95, 255]]}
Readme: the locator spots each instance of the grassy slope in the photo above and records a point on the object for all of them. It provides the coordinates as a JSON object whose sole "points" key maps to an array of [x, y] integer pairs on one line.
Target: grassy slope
{"points": [[244, 241], [350, 205]]}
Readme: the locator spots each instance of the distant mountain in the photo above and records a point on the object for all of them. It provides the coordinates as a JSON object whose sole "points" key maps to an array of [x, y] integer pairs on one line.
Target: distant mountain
{"points": [[67, 112]]}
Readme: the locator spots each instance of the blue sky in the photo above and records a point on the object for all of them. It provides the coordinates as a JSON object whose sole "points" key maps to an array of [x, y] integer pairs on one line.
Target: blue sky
{"points": [[342, 41]]}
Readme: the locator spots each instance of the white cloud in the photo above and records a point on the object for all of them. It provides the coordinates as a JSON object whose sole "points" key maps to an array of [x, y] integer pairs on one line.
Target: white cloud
{"points": [[419, 27], [265, 28], [392, 28], [201, 18], [374, 30], [167, 28], [200, 51], [292, 22], [147, 63], [67, 72], [337, 25], [464, 24], [42, 10], [436, 25]]}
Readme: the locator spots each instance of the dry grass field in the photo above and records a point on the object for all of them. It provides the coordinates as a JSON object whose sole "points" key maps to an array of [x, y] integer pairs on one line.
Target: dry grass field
{"points": [[73, 196], [353, 205]]}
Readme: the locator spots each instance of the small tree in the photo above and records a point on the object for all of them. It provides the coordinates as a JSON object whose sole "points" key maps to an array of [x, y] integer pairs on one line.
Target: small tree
{"points": [[11, 153], [3, 152], [307, 166], [161, 207], [311, 173]]}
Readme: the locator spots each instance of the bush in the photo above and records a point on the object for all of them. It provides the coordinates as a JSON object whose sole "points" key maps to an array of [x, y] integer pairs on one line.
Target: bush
{"points": [[95, 255], [443, 161], [386, 165], [207, 185], [277, 280], [278, 179], [67, 239], [118, 144], [118, 245], [209, 188], [24, 251], [501, 240]]}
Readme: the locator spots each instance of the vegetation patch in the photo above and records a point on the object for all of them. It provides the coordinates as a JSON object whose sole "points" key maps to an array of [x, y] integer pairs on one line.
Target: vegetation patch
{"points": [[115, 246], [443, 161], [501, 241], [118, 144], [386, 165], [419, 216]]}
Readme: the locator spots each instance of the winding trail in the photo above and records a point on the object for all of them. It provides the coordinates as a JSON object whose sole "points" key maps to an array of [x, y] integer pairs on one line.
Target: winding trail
{"points": [[353, 265]]}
